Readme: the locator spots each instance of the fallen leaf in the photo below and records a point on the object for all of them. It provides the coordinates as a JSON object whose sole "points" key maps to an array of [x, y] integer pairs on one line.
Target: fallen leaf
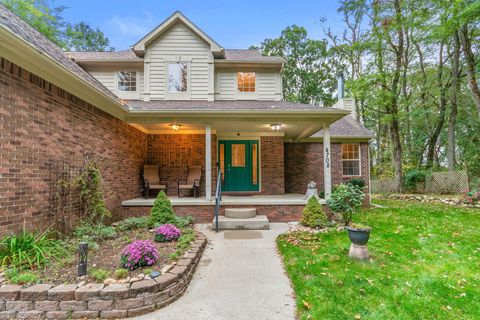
{"points": [[306, 304]]}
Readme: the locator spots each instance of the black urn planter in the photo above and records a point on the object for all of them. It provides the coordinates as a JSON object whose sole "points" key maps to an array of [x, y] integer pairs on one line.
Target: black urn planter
{"points": [[359, 236]]}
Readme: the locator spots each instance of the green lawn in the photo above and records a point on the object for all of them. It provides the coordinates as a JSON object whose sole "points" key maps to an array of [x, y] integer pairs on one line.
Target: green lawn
{"points": [[425, 265]]}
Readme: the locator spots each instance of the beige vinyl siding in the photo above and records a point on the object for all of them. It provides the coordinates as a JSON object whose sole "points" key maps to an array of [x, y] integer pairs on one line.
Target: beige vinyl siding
{"points": [[107, 78], [179, 44], [268, 86]]}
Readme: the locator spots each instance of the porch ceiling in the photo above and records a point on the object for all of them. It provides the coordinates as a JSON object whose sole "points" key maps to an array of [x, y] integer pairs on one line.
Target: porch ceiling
{"points": [[296, 125]]}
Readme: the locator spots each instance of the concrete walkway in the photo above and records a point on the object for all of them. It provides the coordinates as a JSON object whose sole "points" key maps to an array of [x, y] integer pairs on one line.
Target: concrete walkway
{"points": [[240, 276]]}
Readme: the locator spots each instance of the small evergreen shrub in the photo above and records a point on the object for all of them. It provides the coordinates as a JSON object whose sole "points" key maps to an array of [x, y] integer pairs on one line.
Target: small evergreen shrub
{"points": [[139, 254], [98, 274], [162, 211], [313, 215], [166, 233], [94, 232], [344, 201], [412, 179], [357, 182]]}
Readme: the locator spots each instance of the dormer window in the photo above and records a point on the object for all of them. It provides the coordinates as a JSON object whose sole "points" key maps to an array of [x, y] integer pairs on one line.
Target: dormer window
{"points": [[127, 81], [177, 77], [246, 81]]}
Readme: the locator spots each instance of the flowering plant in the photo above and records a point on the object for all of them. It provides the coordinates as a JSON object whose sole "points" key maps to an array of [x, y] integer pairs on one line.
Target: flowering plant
{"points": [[167, 232], [138, 254], [471, 197]]}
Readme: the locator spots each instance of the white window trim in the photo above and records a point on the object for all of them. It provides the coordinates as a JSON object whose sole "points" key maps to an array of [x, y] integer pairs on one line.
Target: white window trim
{"points": [[128, 94], [359, 161], [240, 95], [177, 95]]}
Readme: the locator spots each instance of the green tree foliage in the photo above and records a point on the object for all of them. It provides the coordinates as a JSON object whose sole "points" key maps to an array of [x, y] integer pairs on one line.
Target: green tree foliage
{"points": [[47, 18], [162, 211], [82, 37], [307, 74], [313, 215], [41, 15]]}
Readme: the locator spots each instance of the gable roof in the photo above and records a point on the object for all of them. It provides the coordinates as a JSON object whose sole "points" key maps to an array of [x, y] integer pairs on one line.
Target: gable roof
{"points": [[13, 25], [139, 47]]}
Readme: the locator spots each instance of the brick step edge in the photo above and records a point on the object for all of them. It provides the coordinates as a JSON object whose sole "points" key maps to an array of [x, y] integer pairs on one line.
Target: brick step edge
{"points": [[94, 300]]}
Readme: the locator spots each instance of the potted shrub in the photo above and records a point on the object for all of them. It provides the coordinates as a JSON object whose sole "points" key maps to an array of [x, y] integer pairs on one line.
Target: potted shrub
{"points": [[345, 200]]}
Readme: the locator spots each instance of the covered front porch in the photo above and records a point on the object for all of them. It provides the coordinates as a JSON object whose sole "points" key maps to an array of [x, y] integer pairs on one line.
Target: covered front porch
{"points": [[247, 146]]}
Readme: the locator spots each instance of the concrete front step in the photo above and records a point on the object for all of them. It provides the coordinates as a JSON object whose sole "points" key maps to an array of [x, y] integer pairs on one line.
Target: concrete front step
{"points": [[256, 223], [240, 213]]}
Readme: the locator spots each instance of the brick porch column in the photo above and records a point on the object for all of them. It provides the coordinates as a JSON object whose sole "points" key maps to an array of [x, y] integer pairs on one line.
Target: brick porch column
{"points": [[208, 163], [327, 170]]}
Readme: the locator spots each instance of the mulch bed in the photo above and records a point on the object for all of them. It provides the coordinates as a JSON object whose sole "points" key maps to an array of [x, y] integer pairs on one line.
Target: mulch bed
{"points": [[107, 257]]}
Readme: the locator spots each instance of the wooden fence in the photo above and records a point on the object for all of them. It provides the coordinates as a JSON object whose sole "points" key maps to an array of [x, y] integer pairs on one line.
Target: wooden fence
{"points": [[438, 182]]}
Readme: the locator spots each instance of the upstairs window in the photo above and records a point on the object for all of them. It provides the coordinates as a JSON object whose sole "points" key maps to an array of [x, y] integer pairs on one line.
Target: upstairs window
{"points": [[246, 81], [351, 159], [177, 77], [127, 81]]}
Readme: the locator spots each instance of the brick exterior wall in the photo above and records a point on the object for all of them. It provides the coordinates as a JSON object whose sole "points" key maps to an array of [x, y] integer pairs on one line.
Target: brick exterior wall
{"points": [[304, 163], [174, 153], [272, 165], [41, 122]]}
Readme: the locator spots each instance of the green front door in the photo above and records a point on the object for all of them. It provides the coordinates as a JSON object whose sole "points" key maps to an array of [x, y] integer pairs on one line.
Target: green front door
{"points": [[238, 160]]}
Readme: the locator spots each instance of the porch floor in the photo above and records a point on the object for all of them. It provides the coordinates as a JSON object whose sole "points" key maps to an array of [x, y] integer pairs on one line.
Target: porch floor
{"points": [[281, 199]]}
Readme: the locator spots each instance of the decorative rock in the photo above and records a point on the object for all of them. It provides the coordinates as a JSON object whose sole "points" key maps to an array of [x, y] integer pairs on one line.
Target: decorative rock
{"points": [[109, 281], [154, 274], [140, 276], [134, 279], [122, 281], [81, 283]]}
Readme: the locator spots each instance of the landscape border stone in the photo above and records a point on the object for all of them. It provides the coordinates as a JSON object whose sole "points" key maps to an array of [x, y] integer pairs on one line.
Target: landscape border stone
{"points": [[93, 300]]}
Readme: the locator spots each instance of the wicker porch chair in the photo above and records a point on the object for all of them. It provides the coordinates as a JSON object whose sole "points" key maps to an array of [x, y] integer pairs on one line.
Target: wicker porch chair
{"points": [[151, 178], [193, 181]]}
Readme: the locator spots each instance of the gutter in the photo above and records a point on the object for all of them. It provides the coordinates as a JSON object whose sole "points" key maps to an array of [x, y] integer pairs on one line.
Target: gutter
{"points": [[11, 38]]}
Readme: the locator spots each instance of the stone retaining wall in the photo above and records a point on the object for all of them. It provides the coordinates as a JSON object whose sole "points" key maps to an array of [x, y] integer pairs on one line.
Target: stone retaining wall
{"points": [[93, 300]]}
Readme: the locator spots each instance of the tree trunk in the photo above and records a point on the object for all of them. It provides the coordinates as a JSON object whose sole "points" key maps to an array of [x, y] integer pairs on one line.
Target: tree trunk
{"points": [[451, 144], [470, 63]]}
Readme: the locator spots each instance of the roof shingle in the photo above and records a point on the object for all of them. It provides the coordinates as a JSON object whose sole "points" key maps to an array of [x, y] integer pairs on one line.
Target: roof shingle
{"points": [[16, 25], [346, 127], [125, 55]]}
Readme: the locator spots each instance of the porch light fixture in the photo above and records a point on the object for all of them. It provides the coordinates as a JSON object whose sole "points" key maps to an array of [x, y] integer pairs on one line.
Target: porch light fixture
{"points": [[175, 126], [276, 126]]}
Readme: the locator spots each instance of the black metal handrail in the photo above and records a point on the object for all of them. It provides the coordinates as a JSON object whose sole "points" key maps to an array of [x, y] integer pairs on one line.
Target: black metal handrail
{"points": [[218, 197]]}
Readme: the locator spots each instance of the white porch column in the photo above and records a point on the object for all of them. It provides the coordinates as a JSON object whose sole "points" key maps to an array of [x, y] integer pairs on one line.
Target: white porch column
{"points": [[327, 170], [208, 163]]}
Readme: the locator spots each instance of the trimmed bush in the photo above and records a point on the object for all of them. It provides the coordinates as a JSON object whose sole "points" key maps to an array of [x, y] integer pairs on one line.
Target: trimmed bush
{"points": [[345, 200], [313, 215], [98, 274], [162, 211], [139, 254], [357, 182], [166, 233]]}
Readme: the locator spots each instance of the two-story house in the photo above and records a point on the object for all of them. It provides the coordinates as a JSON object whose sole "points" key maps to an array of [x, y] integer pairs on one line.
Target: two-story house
{"points": [[176, 99]]}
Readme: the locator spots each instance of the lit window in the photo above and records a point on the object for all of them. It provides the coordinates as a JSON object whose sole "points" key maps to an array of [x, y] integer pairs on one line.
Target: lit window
{"points": [[177, 77], [351, 159], [127, 81], [246, 81]]}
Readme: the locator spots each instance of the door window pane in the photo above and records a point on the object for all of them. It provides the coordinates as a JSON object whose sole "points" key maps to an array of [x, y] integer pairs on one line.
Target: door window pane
{"points": [[254, 164], [238, 155], [222, 160]]}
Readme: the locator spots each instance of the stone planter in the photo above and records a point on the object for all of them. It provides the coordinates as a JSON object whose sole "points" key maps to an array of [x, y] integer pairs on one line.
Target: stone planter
{"points": [[94, 300], [359, 236]]}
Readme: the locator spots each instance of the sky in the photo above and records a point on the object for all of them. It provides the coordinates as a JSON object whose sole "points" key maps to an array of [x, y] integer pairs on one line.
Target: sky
{"points": [[233, 24]]}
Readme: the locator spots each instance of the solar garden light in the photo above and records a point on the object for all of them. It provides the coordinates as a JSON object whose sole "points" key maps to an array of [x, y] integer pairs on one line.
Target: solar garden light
{"points": [[82, 258]]}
